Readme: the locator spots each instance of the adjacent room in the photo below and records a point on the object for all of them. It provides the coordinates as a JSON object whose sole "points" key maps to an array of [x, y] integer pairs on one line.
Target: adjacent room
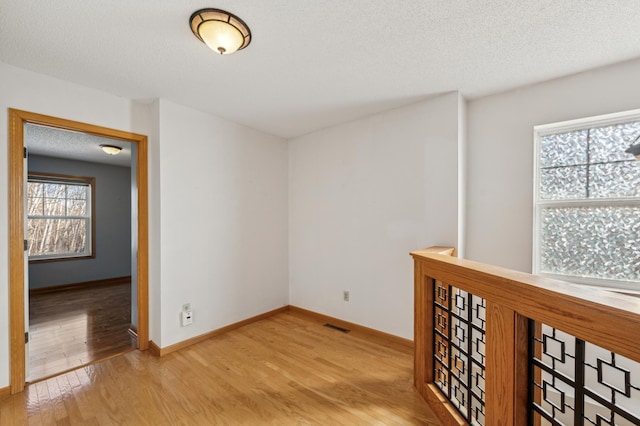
{"points": [[320, 212], [80, 249]]}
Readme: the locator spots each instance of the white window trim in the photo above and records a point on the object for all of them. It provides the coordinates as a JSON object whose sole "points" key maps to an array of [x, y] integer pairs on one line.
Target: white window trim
{"points": [[90, 225], [630, 286]]}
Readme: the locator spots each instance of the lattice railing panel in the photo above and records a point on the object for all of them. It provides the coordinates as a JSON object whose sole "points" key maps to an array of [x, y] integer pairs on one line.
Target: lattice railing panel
{"points": [[459, 350], [577, 383]]}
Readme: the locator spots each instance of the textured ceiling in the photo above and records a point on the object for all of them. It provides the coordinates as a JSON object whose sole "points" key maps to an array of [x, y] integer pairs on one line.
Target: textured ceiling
{"points": [[313, 64], [52, 142]]}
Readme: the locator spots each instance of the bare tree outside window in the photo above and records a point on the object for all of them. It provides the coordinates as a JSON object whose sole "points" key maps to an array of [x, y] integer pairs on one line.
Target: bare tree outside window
{"points": [[59, 217]]}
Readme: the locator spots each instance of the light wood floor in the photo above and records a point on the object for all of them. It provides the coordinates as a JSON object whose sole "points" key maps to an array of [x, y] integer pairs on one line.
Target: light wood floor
{"points": [[71, 328], [287, 369]]}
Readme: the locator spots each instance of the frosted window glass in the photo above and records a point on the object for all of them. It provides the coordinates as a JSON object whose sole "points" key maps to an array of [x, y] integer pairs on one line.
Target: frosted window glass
{"points": [[563, 183], [564, 149], [600, 240], [594, 242], [614, 180], [609, 143], [594, 148]]}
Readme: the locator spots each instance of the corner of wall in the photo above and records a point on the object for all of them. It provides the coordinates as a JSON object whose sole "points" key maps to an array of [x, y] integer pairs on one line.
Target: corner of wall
{"points": [[462, 174], [145, 119], [289, 214]]}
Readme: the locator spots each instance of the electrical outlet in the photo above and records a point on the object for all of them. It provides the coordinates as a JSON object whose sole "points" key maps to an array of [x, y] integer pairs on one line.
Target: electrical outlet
{"points": [[345, 295], [187, 318]]}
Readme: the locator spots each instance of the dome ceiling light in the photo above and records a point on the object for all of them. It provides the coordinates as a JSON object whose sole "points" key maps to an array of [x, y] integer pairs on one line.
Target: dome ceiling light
{"points": [[222, 31], [111, 149]]}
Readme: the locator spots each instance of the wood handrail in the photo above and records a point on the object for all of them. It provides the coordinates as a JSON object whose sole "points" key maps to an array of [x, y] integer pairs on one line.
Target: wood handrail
{"points": [[511, 298], [445, 251], [585, 312]]}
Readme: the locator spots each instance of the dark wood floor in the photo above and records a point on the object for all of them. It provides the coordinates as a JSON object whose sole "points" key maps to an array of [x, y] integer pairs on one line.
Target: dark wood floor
{"points": [[71, 328]]}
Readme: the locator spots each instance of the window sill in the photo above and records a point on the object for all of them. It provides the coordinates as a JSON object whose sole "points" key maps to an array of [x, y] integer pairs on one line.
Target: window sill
{"points": [[631, 288], [60, 259]]}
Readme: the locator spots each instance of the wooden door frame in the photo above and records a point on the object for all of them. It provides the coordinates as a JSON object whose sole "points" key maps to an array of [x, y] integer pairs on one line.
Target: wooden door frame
{"points": [[17, 120]]}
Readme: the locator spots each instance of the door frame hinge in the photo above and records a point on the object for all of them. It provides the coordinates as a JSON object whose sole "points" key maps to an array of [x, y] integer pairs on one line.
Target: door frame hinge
{"points": [[26, 245], [25, 152], [26, 337]]}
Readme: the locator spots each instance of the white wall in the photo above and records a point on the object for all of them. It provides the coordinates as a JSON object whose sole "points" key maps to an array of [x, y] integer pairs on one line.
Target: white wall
{"points": [[500, 154], [218, 206], [33, 92], [362, 196], [224, 221]]}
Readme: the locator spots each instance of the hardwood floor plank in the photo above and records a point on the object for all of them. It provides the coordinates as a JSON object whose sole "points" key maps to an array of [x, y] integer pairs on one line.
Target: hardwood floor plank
{"points": [[284, 370], [45, 407], [56, 396], [78, 326]]}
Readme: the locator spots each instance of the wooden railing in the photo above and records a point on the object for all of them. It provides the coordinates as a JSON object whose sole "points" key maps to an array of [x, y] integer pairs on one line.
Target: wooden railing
{"points": [[500, 347]]}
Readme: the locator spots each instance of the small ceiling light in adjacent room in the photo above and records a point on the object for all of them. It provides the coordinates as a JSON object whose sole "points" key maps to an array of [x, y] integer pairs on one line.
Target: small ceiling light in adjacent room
{"points": [[222, 31], [111, 149]]}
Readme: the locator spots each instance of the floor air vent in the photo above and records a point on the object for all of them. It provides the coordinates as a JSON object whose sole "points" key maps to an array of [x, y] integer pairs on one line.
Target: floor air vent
{"points": [[335, 327]]}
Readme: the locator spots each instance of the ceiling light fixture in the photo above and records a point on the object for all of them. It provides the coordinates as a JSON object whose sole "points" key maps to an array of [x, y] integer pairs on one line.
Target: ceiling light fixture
{"points": [[222, 31], [111, 149], [634, 149]]}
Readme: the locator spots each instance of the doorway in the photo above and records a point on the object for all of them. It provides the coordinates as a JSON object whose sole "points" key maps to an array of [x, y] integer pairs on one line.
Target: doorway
{"points": [[18, 290]]}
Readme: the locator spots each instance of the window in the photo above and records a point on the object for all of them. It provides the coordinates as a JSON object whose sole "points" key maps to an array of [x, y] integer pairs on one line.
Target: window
{"points": [[59, 217], [587, 201]]}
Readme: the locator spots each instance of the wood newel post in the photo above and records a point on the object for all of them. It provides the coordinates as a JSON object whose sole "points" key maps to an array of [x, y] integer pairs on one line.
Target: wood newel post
{"points": [[506, 377], [422, 329]]}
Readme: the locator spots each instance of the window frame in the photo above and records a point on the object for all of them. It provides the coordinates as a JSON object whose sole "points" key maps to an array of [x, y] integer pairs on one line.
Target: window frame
{"points": [[629, 286], [71, 180]]}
